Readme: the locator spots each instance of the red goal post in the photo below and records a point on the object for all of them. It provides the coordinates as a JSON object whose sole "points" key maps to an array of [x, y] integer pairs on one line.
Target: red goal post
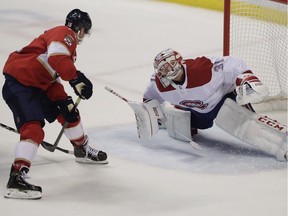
{"points": [[257, 32]]}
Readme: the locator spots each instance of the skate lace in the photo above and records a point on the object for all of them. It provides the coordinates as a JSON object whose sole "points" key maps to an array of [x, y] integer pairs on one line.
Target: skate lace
{"points": [[91, 151], [24, 175]]}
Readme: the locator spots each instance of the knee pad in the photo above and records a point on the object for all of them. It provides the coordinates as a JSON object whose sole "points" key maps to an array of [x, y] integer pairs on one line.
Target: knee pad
{"points": [[32, 131]]}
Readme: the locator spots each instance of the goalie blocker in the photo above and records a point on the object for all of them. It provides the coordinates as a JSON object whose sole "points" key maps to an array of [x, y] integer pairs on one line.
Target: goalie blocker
{"points": [[259, 132], [147, 115]]}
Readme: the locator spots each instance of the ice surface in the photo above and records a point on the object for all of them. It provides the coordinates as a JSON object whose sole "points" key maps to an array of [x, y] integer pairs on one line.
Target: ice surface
{"points": [[155, 177]]}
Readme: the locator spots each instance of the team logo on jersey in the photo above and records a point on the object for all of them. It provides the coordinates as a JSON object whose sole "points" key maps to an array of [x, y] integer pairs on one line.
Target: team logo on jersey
{"points": [[68, 40], [194, 104]]}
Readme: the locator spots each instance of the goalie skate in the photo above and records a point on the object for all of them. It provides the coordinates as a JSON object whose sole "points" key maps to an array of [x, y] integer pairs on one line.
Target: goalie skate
{"points": [[18, 188], [87, 154]]}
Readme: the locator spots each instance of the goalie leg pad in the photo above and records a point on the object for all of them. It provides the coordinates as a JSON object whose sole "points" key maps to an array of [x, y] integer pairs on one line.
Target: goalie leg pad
{"points": [[259, 132], [178, 122]]}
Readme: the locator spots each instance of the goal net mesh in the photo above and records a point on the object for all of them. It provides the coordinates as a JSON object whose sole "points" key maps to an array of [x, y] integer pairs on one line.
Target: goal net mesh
{"points": [[258, 34]]}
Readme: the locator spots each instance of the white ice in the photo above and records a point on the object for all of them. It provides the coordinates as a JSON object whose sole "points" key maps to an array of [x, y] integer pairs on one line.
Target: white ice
{"points": [[157, 177]]}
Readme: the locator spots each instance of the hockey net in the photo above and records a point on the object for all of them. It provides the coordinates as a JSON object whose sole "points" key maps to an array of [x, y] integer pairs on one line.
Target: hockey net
{"points": [[256, 31]]}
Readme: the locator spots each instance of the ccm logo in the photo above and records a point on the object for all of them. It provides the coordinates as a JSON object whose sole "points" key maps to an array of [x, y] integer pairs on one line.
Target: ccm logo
{"points": [[271, 123]]}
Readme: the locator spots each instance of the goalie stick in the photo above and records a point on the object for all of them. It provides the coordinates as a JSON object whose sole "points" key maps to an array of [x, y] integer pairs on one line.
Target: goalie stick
{"points": [[146, 124], [118, 95], [44, 144]]}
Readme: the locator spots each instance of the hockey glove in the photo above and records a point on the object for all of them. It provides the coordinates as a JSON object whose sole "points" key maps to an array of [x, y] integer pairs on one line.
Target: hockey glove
{"points": [[66, 109], [250, 89], [82, 86]]}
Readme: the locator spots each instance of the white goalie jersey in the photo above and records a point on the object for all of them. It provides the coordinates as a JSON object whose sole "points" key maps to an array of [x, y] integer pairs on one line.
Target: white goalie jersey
{"points": [[202, 97], [208, 80]]}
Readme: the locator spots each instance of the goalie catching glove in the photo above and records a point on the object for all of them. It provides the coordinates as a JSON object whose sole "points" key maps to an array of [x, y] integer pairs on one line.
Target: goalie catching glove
{"points": [[250, 89], [82, 86]]}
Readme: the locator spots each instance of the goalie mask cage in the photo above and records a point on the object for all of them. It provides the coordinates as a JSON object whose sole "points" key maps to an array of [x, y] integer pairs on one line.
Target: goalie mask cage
{"points": [[256, 31]]}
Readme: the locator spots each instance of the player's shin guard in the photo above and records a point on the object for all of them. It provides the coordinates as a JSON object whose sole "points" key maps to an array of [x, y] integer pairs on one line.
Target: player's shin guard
{"points": [[75, 133]]}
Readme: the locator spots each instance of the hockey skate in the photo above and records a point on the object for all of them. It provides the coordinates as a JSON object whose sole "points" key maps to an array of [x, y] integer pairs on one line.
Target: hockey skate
{"points": [[87, 154], [18, 188]]}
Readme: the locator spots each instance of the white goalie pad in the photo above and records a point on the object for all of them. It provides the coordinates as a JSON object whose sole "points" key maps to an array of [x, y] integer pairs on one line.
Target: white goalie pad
{"points": [[147, 115], [259, 132], [178, 122]]}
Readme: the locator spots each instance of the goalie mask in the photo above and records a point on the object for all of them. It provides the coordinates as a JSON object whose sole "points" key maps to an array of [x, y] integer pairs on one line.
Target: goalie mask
{"points": [[167, 65]]}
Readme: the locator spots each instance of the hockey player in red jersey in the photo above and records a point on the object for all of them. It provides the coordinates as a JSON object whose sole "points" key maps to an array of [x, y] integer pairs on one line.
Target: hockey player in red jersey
{"points": [[34, 93], [192, 92]]}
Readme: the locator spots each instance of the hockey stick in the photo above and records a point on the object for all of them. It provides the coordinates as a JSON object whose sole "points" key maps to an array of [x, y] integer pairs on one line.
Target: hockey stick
{"points": [[44, 144], [115, 93], [142, 116], [54, 146], [190, 141]]}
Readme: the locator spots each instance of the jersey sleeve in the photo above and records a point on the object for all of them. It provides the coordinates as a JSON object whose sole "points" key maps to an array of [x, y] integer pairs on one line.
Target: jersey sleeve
{"points": [[63, 66], [56, 92], [233, 67], [61, 52]]}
